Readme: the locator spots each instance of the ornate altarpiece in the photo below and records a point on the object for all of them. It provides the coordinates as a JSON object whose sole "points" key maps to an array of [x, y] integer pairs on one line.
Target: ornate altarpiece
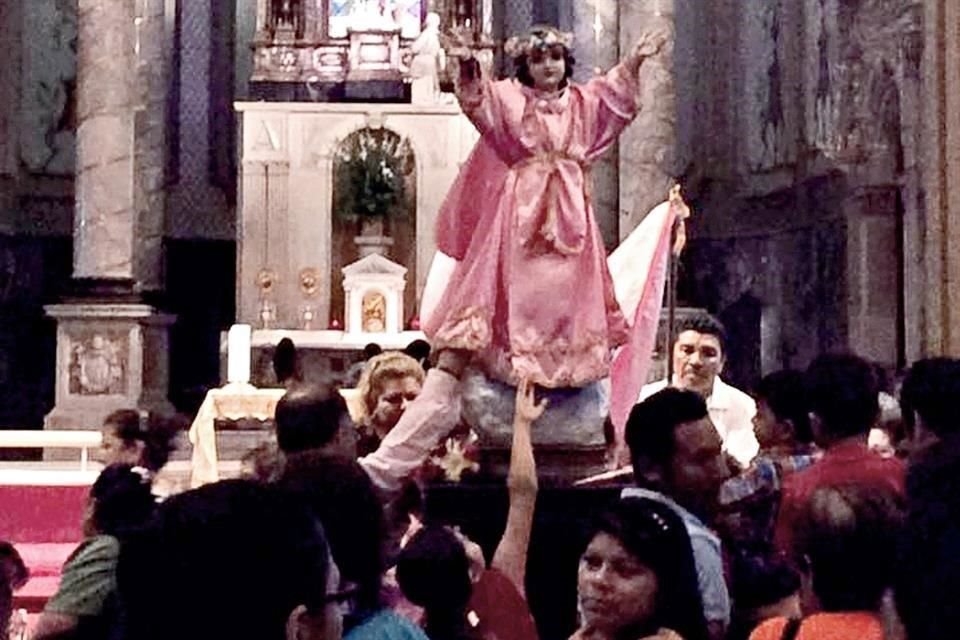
{"points": [[357, 40]]}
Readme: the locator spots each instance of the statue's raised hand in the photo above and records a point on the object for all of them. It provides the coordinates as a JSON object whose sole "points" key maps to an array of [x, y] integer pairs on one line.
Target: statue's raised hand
{"points": [[648, 45]]}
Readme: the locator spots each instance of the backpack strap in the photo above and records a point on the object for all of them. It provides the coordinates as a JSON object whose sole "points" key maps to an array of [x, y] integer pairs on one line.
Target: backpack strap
{"points": [[791, 629]]}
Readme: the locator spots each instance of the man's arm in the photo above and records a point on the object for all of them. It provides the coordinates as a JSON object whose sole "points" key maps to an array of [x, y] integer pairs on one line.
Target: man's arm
{"points": [[713, 586], [430, 417]]}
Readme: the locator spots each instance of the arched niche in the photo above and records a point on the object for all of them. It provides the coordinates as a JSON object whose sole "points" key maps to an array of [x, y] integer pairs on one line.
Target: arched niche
{"points": [[348, 220]]}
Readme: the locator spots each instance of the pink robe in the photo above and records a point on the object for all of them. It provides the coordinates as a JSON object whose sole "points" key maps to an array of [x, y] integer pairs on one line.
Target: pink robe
{"points": [[531, 293]]}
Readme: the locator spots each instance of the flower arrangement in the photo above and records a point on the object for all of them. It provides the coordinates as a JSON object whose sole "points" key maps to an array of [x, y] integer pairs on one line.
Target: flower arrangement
{"points": [[370, 172]]}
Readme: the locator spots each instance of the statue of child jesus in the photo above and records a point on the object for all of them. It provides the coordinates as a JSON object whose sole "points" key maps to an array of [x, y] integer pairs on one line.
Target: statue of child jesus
{"points": [[531, 294]]}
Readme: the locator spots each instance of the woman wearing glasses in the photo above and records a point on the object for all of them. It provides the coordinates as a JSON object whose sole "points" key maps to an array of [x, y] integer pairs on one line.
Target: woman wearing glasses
{"points": [[520, 218], [637, 579]]}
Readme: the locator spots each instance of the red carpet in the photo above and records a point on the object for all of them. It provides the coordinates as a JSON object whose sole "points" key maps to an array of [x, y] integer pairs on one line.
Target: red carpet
{"points": [[45, 525], [39, 514]]}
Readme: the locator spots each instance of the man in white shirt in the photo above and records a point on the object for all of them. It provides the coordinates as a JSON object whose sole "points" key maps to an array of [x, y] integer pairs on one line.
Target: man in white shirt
{"points": [[698, 359]]}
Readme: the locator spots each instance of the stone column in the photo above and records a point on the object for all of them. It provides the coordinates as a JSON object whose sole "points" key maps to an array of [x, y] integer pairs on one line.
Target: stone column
{"points": [[519, 17], [871, 274], [940, 164], [111, 346], [10, 33], [596, 43], [648, 147], [150, 120], [105, 217], [194, 191]]}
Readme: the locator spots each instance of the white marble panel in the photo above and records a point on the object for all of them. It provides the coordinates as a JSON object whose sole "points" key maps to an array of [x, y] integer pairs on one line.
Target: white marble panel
{"points": [[305, 136]]}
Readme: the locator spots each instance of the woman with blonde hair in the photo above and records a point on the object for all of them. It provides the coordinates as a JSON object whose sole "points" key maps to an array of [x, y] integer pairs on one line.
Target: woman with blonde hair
{"points": [[389, 382]]}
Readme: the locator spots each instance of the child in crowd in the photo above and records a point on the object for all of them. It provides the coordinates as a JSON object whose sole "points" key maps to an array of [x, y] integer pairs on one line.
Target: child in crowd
{"points": [[749, 501]]}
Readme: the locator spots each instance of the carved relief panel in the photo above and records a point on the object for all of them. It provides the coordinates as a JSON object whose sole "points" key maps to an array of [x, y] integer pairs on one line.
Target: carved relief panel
{"points": [[97, 362], [864, 49], [48, 100]]}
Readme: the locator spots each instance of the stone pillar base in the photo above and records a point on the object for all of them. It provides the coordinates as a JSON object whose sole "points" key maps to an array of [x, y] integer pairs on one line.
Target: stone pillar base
{"points": [[109, 356]]}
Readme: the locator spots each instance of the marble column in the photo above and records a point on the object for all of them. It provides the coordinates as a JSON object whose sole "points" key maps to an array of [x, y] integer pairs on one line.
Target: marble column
{"points": [[648, 147], [872, 274], [111, 346], [105, 216], [10, 33], [518, 18], [939, 280], [150, 121], [596, 43], [197, 208]]}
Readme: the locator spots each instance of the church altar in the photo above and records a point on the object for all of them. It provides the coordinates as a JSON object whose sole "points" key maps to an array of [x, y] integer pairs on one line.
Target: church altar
{"points": [[323, 354], [328, 339], [286, 272]]}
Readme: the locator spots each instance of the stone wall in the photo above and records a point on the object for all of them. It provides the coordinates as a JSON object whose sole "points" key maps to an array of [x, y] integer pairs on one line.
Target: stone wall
{"points": [[800, 122]]}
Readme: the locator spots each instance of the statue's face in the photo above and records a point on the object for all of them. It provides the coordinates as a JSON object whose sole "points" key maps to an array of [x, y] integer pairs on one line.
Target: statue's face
{"points": [[547, 67]]}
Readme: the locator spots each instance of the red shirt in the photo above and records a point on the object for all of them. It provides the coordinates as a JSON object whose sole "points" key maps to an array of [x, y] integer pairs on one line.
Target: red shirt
{"points": [[501, 611], [848, 462]]}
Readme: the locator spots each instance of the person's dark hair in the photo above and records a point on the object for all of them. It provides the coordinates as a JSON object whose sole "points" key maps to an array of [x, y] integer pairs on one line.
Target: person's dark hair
{"points": [[703, 323], [371, 349], [286, 364], [308, 417], [228, 560], [784, 393], [418, 350], [342, 496], [762, 579], [434, 573], [13, 575], [842, 390], [13, 571], [848, 537], [522, 65], [122, 500], [931, 389], [759, 580], [656, 537], [650, 427], [928, 567], [155, 431]]}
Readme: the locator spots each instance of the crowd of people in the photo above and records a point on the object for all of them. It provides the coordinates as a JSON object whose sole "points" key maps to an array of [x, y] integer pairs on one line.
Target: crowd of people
{"points": [[767, 515], [817, 535]]}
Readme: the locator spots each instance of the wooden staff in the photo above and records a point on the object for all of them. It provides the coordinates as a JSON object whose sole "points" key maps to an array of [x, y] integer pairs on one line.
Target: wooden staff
{"points": [[678, 240]]}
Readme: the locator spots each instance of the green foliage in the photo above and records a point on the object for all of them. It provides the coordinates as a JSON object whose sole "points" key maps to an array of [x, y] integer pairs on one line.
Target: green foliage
{"points": [[370, 174]]}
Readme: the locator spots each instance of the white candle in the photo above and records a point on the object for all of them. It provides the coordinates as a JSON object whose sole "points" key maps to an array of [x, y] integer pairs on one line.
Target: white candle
{"points": [[238, 353]]}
